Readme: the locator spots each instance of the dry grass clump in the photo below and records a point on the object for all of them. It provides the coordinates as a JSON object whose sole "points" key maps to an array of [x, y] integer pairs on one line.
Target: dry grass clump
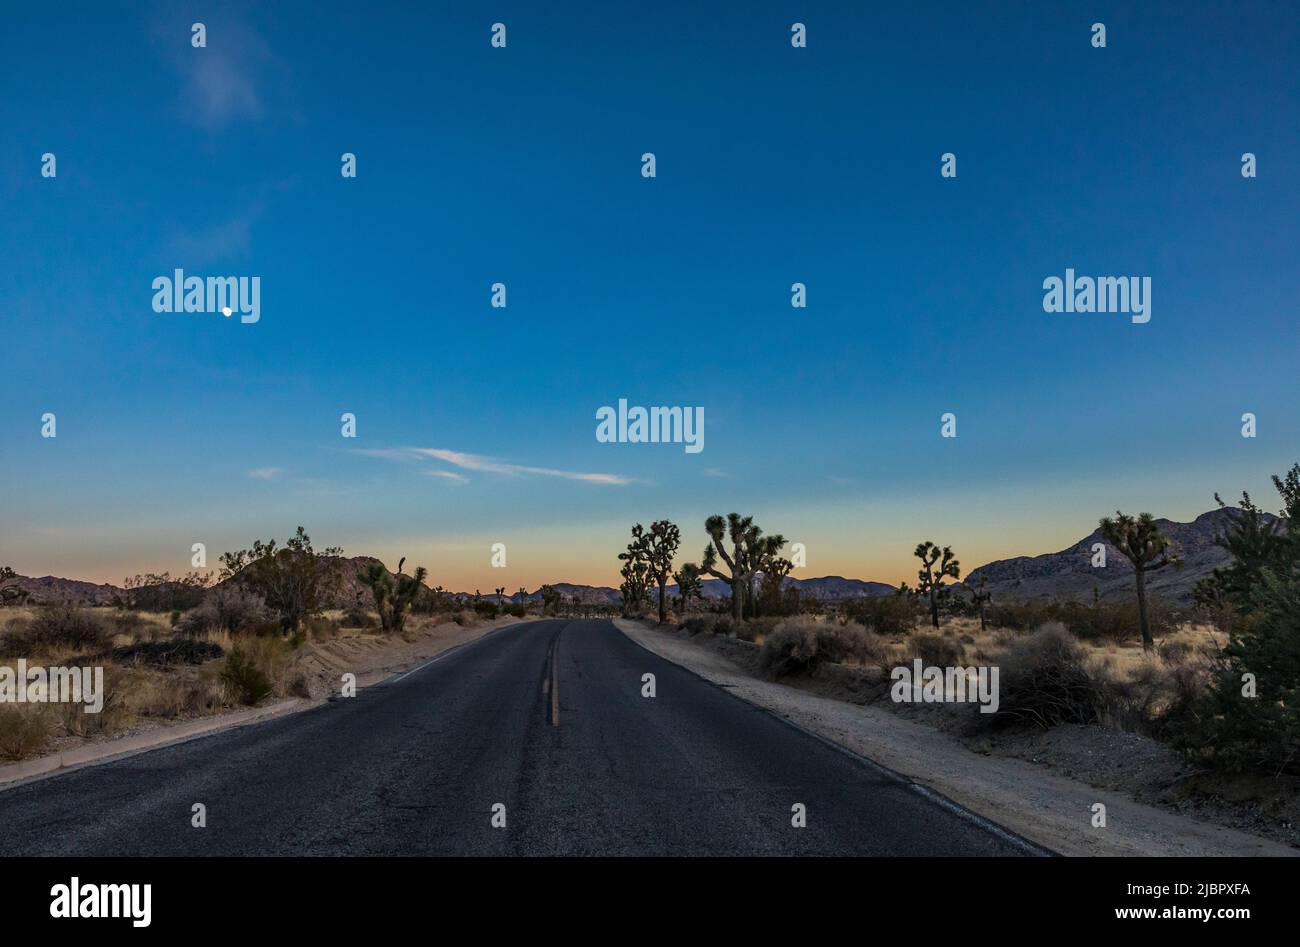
{"points": [[800, 645], [936, 650], [51, 627], [1045, 680], [24, 730]]}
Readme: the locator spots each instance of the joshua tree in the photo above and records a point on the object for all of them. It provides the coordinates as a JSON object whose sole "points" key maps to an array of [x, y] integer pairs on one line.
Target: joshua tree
{"points": [[749, 550], [936, 565], [636, 579], [551, 598], [981, 597], [393, 599], [688, 583], [657, 547], [635, 571], [765, 559], [1141, 542], [500, 592]]}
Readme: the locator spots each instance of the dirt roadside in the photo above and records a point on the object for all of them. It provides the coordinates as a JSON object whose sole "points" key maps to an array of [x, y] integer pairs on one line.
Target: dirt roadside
{"points": [[1040, 805]]}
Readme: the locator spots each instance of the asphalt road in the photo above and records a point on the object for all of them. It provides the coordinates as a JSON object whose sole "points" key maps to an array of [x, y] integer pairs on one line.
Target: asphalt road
{"points": [[547, 718]]}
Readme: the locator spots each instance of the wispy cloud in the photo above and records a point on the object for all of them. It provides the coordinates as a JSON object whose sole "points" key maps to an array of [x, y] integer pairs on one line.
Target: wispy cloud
{"points": [[715, 472], [481, 464], [228, 80], [448, 475], [219, 89], [265, 473]]}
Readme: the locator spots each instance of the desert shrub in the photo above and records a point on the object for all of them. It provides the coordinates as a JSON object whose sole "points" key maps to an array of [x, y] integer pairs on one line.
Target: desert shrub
{"points": [[888, 615], [247, 682], [62, 625], [756, 628], [113, 714], [464, 618], [485, 608], [157, 695], [937, 650], [1044, 680], [702, 623], [1018, 616], [1174, 652], [357, 617], [127, 622], [228, 609], [24, 730], [516, 610], [724, 625], [321, 629], [800, 645], [1118, 621]]}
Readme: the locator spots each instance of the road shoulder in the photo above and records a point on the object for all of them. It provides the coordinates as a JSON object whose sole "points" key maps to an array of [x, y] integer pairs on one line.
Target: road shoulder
{"points": [[1042, 806]]}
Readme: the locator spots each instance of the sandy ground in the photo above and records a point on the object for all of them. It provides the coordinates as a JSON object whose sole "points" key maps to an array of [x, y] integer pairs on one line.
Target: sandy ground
{"points": [[1044, 806], [373, 657]]}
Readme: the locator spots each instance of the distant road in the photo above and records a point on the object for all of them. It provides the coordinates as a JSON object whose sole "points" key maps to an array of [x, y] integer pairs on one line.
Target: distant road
{"points": [[546, 717]]}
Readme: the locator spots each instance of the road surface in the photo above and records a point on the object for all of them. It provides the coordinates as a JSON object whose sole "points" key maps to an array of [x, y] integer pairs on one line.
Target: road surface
{"points": [[546, 718]]}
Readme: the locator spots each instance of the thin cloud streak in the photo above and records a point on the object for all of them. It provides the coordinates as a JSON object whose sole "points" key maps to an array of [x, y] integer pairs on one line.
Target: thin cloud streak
{"points": [[481, 464]]}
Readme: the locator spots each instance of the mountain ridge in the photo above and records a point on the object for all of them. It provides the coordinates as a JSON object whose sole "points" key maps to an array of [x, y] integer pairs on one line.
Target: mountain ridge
{"points": [[1065, 574]]}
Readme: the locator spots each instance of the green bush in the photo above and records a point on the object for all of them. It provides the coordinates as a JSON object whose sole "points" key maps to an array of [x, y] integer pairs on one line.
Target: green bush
{"points": [[245, 679], [1236, 731]]}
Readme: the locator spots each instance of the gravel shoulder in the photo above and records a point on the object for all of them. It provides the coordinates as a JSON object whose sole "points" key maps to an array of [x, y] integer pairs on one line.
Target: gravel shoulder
{"points": [[1032, 799]]}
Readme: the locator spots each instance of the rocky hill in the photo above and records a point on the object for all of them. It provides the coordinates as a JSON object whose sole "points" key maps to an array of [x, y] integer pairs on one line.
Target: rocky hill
{"points": [[1069, 574]]}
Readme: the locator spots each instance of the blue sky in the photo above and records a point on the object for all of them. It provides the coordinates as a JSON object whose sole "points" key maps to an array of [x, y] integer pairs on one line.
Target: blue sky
{"points": [[522, 165]]}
